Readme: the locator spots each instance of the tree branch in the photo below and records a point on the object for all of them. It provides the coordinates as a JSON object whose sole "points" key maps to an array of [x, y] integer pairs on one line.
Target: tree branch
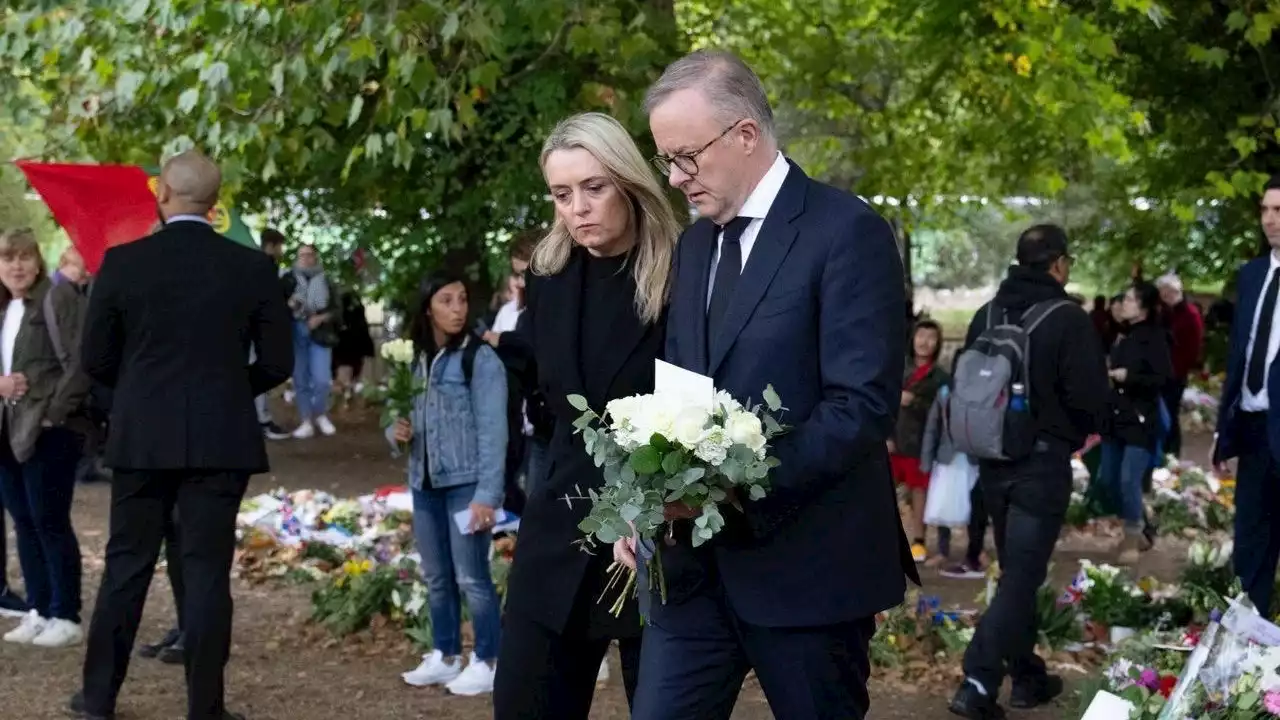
{"points": [[551, 49]]}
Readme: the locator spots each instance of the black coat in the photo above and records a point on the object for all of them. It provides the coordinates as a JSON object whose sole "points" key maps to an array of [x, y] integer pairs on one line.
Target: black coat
{"points": [[171, 319], [1145, 356], [550, 569]]}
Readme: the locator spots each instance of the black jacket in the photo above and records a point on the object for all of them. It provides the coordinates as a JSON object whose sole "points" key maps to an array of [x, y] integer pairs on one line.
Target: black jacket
{"points": [[550, 570], [1145, 356], [171, 319], [1069, 387]]}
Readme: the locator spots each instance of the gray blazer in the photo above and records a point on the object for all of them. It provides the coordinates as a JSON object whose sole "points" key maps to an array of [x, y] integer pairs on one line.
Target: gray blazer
{"points": [[937, 447]]}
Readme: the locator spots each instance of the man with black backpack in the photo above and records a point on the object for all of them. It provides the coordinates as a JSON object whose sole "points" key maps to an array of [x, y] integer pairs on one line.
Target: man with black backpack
{"points": [[1030, 386]]}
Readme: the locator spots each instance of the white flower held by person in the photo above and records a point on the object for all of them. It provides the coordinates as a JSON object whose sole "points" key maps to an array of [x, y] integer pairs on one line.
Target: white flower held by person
{"points": [[690, 426], [745, 428], [398, 351]]}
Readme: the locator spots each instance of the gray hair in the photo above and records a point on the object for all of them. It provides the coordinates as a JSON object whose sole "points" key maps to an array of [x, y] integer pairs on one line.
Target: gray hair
{"points": [[731, 87]]}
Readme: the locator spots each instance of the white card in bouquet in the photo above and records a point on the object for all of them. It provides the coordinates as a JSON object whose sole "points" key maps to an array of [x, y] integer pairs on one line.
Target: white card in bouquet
{"points": [[1106, 706], [690, 387]]}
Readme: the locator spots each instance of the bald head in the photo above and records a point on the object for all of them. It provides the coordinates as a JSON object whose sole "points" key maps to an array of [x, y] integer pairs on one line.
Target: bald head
{"points": [[189, 184]]}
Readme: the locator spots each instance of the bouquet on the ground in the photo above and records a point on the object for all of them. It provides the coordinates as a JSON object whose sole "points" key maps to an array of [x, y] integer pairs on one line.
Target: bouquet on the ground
{"points": [[660, 449], [401, 387]]}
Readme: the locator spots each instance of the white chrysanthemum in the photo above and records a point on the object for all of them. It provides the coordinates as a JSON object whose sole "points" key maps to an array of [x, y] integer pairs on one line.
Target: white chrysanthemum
{"points": [[726, 401]]}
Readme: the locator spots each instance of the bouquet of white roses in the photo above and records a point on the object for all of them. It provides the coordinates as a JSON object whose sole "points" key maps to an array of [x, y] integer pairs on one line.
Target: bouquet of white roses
{"points": [[659, 449], [402, 387]]}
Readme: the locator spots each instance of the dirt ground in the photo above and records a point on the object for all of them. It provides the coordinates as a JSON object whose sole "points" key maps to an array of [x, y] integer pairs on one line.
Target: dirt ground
{"points": [[282, 669]]}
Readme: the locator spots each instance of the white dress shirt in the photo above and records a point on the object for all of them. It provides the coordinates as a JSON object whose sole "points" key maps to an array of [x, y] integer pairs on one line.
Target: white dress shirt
{"points": [[1248, 401], [756, 207], [507, 317], [9, 332]]}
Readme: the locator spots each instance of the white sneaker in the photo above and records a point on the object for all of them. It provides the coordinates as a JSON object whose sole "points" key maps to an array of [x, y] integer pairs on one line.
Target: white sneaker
{"points": [[30, 627], [304, 431], [477, 679], [326, 426], [433, 671], [603, 675], [59, 634]]}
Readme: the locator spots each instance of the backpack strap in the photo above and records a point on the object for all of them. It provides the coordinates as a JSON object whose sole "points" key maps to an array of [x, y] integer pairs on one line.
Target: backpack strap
{"points": [[469, 358], [1036, 314], [55, 334]]}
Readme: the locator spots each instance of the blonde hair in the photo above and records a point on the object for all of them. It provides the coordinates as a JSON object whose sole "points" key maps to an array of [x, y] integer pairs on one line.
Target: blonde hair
{"points": [[22, 242], [654, 221]]}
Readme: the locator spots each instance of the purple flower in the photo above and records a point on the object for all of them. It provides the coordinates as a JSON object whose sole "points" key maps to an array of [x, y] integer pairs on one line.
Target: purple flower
{"points": [[1272, 702], [1149, 679]]}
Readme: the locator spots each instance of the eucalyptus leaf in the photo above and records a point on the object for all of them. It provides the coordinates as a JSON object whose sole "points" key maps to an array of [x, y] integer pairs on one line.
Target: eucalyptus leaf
{"points": [[579, 403], [673, 462], [771, 399], [755, 492], [646, 460]]}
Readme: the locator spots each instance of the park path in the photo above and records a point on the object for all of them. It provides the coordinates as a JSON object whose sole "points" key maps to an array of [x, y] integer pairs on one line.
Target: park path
{"points": [[283, 669]]}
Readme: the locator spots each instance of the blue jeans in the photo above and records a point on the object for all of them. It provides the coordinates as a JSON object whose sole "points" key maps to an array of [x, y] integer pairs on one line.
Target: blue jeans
{"points": [[312, 373], [1121, 471], [453, 562], [535, 465], [38, 495]]}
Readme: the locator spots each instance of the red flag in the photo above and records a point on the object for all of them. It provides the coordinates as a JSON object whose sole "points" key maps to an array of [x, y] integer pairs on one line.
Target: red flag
{"points": [[100, 206]]}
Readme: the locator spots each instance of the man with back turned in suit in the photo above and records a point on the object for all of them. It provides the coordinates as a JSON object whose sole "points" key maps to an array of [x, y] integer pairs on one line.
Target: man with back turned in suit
{"points": [[171, 320], [1249, 421]]}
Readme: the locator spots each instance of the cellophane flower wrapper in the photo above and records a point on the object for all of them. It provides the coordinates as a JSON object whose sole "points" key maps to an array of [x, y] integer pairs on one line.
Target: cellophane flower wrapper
{"points": [[1210, 677]]}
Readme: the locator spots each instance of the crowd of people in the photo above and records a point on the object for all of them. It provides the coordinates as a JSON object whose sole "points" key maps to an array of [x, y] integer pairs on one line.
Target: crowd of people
{"points": [[783, 281]]}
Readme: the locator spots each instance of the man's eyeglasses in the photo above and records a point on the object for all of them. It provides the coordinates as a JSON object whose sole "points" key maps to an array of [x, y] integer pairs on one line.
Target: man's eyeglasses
{"points": [[688, 162]]}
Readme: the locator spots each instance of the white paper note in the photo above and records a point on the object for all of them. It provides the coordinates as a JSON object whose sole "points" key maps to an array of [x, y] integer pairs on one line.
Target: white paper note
{"points": [[505, 521], [690, 387], [1106, 706]]}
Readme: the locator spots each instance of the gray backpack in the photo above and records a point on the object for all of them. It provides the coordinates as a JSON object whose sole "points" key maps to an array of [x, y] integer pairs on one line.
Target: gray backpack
{"points": [[990, 406]]}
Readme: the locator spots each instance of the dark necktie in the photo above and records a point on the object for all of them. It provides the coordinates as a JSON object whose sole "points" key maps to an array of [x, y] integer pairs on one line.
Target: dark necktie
{"points": [[1257, 377], [727, 271]]}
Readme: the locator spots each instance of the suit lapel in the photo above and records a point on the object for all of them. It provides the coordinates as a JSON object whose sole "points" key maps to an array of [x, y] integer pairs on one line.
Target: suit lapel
{"points": [[702, 244], [771, 247]]}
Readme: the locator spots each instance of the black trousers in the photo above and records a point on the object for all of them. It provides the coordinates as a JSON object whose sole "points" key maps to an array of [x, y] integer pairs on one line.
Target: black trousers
{"points": [[1027, 501], [543, 674], [1257, 522], [142, 503], [1172, 396], [173, 562], [977, 525]]}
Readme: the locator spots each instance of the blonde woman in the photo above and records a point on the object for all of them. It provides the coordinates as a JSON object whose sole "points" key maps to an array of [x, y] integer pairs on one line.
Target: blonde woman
{"points": [[594, 321]]}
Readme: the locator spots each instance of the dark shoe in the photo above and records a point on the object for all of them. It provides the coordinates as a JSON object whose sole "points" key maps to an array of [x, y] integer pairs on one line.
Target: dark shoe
{"points": [[228, 715], [170, 639], [272, 431], [969, 703], [172, 655], [965, 571], [1033, 692], [76, 709], [11, 605]]}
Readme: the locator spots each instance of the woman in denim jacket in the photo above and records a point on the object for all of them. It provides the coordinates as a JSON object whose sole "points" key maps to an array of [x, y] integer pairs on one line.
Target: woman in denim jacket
{"points": [[457, 438]]}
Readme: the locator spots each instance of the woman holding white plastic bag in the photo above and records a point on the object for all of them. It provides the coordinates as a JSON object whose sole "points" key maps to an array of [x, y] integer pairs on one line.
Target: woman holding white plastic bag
{"points": [[954, 495]]}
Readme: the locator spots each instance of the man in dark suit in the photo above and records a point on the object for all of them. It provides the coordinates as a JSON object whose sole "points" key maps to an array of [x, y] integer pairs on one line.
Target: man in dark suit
{"points": [[171, 320], [1249, 421], [790, 282]]}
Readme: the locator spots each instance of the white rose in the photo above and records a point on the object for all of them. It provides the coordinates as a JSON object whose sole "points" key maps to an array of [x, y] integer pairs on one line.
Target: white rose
{"points": [[744, 428], [689, 427], [655, 417]]}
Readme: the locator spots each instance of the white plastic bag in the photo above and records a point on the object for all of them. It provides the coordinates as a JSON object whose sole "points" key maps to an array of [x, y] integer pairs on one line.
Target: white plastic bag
{"points": [[949, 487]]}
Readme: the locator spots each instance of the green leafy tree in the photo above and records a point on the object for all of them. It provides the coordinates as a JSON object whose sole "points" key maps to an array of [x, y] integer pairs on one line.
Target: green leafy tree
{"points": [[412, 128]]}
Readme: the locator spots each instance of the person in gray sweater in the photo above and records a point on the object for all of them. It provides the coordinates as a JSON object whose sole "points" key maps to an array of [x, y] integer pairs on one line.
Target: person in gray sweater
{"points": [[937, 449]]}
